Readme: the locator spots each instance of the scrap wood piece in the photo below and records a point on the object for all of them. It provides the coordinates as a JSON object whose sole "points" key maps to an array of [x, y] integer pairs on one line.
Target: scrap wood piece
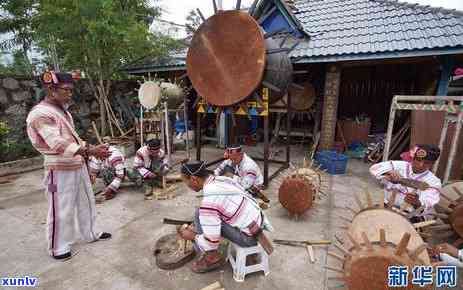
{"points": [[424, 224], [310, 253], [98, 137], [213, 286]]}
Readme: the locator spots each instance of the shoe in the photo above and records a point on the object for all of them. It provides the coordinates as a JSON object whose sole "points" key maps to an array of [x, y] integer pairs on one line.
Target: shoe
{"points": [[209, 261], [109, 195], [105, 236], [63, 257]]}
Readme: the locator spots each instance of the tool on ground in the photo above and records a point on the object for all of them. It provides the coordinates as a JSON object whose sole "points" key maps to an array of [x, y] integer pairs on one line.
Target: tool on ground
{"points": [[308, 245], [168, 221], [255, 191], [213, 286]]}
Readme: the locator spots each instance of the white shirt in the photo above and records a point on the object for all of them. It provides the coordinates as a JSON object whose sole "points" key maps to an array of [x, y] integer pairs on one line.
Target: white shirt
{"points": [[452, 261], [428, 198], [247, 171]]}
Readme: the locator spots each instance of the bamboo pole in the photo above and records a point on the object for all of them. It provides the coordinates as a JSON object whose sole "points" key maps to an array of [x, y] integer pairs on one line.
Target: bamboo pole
{"points": [[390, 128], [98, 137], [443, 136], [113, 116], [453, 148]]}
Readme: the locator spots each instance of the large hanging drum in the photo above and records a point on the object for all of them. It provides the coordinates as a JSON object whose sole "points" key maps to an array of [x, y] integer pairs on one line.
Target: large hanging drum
{"points": [[301, 100], [174, 94], [227, 59]]}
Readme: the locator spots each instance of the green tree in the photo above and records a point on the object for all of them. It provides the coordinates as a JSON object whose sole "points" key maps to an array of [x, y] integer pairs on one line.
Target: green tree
{"points": [[98, 37], [16, 24], [19, 66], [193, 21]]}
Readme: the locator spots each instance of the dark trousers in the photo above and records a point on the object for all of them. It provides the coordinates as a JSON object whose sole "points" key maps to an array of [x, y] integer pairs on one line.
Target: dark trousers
{"points": [[228, 232]]}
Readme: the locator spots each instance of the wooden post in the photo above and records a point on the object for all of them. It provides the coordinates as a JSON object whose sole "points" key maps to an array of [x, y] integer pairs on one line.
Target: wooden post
{"points": [[141, 126], [288, 126], [266, 148], [198, 136], [447, 63], [390, 128], [185, 119], [167, 131], [453, 148], [443, 136]]}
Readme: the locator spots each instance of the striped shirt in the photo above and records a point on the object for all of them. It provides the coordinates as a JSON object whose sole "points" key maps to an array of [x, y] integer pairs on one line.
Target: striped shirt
{"points": [[51, 131], [115, 162], [248, 172], [225, 201], [428, 198], [142, 161]]}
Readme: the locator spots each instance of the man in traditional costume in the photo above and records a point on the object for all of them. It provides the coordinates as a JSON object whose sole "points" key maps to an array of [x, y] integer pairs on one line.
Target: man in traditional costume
{"points": [[411, 185], [50, 128], [111, 170], [449, 254], [151, 163], [246, 170], [226, 211]]}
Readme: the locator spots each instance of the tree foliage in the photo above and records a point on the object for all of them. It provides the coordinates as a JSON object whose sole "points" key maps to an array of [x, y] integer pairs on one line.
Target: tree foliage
{"points": [[16, 25], [98, 37], [193, 21]]}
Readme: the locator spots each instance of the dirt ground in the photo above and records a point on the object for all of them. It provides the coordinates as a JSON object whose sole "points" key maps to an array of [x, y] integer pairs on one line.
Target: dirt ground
{"points": [[127, 261]]}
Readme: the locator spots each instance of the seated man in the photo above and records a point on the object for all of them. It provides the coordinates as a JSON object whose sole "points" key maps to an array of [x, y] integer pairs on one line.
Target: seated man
{"points": [[226, 211], [247, 171], [111, 169], [449, 254], [151, 163], [399, 176]]}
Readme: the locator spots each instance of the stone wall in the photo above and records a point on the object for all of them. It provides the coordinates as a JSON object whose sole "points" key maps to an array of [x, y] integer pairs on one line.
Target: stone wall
{"points": [[18, 95]]}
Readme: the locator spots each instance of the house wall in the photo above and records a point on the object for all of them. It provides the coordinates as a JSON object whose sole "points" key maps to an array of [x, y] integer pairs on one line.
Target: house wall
{"points": [[369, 89]]}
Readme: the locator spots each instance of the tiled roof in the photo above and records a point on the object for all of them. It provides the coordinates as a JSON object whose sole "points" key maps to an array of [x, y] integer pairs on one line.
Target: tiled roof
{"points": [[361, 29], [356, 27], [173, 61]]}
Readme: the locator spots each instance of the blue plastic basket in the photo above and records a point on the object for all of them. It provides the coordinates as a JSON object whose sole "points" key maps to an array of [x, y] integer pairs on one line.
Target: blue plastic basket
{"points": [[331, 161]]}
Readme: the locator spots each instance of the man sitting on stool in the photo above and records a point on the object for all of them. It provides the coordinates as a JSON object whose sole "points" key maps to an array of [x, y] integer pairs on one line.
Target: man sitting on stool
{"points": [[151, 163], [226, 211], [449, 254], [396, 175], [246, 170]]}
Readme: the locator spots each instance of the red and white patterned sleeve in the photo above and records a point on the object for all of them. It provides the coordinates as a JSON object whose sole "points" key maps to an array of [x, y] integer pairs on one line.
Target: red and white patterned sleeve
{"points": [[94, 165], [139, 164], [48, 129], [209, 218]]}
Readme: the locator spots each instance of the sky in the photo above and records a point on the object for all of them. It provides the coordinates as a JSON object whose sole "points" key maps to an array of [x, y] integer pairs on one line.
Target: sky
{"points": [[177, 10]]}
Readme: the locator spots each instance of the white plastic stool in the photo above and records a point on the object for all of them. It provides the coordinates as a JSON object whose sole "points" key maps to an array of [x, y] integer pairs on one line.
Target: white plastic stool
{"points": [[238, 262]]}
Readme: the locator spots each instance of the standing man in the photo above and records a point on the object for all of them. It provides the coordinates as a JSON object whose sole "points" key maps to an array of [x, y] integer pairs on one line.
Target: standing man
{"points": [[226, 211], [51, 130], [151, 163], [247, 171], [396, 175], [111, 169]]}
